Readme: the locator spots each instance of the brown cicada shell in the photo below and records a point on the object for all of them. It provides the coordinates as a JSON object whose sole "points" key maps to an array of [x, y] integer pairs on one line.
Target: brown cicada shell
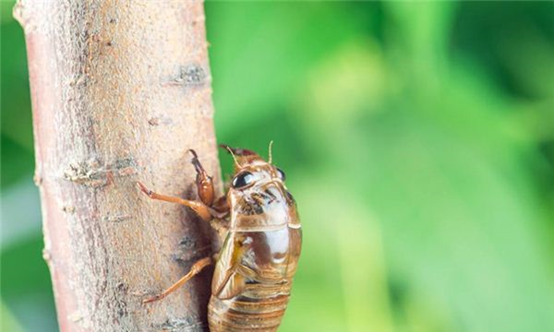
{"points": [[254, 270]]}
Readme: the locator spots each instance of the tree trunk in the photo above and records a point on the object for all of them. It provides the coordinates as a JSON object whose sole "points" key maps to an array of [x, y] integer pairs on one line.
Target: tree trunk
{"points": [[120, 92]]}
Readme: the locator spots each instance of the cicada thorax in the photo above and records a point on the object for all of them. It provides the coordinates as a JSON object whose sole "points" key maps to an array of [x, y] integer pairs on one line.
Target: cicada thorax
{"points": [[254, 272]]}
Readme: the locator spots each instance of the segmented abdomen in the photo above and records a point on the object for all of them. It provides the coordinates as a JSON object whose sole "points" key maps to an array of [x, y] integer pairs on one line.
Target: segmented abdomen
{"points": [[260, 308]]}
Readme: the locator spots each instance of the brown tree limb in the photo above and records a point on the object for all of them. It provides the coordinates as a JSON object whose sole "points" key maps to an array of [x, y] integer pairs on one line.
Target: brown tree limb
{"points": [[120, 92]]}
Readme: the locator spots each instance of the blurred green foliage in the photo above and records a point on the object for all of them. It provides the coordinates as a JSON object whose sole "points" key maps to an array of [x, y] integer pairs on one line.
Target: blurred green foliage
{"points": [[418, 139]]}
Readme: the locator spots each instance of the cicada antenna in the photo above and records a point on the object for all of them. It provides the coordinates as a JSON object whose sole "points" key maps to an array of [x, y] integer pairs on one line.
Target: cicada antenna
{"points": [[270, 151], [228, 148]]}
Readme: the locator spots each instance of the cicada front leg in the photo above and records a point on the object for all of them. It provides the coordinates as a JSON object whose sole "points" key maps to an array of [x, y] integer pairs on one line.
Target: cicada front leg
{"points": [[205, 189], [207, 207], [206, 192], [204, 183]]}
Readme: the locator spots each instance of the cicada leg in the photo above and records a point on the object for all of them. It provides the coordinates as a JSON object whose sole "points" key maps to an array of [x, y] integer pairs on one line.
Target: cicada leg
{"points": [[198, 207], [194, 270], [205, 188], [204, 183], [207, 207]]}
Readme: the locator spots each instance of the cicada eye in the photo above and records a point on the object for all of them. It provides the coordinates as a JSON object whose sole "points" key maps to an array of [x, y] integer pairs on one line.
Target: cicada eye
{"points": [[242, 180], [281, 174]]}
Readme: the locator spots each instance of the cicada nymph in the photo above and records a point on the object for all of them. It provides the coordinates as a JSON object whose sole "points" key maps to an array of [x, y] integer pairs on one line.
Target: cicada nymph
{"points": [[255, 267]]}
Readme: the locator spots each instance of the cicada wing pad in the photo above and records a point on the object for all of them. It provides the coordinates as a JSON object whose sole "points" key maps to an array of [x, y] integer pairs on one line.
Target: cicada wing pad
{"points": [[228, 280]]}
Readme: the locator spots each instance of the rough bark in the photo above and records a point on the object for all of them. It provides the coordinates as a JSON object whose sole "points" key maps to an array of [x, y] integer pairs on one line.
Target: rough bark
{"points": [[120, 92]]}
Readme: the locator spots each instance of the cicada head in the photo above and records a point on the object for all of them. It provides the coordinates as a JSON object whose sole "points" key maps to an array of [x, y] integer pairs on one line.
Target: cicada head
{"points": [[257, 186]]}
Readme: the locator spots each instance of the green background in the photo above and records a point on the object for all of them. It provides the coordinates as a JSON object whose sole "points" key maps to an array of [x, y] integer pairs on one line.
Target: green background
{"points": [[418, 140]]}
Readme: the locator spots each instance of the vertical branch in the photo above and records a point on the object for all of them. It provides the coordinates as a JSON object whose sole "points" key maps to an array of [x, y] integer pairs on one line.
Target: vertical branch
{"points": [[120, 91]]}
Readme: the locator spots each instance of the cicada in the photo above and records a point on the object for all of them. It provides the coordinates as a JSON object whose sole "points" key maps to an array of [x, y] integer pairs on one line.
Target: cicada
{"points": [[262, 238]]}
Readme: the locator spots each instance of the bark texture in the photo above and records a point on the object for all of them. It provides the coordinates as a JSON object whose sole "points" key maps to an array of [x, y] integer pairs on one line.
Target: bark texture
{"points": [[120, 92]]}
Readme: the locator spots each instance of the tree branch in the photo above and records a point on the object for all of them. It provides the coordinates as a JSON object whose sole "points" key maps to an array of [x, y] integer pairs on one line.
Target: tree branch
{"points": [[120, 91]]}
